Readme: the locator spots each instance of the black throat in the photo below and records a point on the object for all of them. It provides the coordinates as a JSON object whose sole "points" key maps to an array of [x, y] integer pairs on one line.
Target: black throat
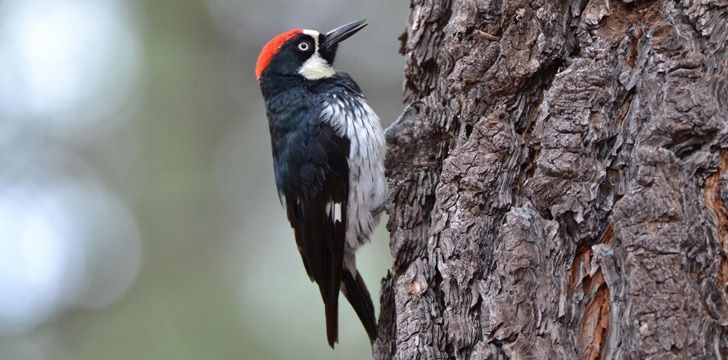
{"points": [[272, 84]]}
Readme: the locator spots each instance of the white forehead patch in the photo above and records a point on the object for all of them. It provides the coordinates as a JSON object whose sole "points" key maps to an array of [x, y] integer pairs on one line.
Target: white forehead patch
{"points": [[315, 67], [312, 33]]}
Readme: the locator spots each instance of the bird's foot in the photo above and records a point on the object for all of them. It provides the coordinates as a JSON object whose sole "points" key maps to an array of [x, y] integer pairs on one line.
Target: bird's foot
{"points": [[405, 119], [378, 210]]}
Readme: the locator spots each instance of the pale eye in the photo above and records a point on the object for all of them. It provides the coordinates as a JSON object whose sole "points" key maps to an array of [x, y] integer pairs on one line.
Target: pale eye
{"points": [[304, 46]]}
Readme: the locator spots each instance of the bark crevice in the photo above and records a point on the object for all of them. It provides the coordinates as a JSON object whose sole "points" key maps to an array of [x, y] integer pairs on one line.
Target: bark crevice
{"points": [[562, 192]]}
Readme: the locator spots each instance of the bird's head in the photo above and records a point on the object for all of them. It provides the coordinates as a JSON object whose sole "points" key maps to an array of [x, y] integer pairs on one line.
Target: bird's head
{"points": [[306, 53]]}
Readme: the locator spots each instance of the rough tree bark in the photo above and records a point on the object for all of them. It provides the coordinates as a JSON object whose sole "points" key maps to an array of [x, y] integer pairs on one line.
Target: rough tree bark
{"points": [[562, 191]]}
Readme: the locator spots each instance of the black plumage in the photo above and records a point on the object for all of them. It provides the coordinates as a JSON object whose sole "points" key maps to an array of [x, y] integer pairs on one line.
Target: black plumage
{"points": [[311, 165]]}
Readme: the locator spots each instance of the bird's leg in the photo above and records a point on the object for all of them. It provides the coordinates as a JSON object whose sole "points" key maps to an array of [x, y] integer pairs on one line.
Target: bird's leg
{"points": [[405, 119], [378, 210]]}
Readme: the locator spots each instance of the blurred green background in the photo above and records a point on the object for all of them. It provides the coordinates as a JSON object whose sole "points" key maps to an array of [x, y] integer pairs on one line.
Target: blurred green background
{"points": [[138, 215]]}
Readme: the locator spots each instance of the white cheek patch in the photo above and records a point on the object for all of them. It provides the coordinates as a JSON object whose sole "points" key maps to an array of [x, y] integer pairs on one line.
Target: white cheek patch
{"points": [[315, 67]]}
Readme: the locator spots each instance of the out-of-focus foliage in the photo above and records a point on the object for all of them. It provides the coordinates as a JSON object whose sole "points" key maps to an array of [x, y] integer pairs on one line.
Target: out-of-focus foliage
{"points": [[138, 216]]}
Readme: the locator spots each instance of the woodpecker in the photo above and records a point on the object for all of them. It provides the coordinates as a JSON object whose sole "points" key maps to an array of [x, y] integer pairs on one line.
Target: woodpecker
{"points": [[328, 159]]}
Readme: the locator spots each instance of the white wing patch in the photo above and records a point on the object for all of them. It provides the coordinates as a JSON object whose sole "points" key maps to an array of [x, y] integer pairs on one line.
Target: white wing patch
{"points": [[337, 212], [351, 117], [333, 210]]}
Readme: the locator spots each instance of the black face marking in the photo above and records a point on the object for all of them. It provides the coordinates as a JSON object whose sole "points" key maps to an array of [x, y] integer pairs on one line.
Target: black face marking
{"points": [[302, 45], [329, 54], [291, 56], [305, 46]]}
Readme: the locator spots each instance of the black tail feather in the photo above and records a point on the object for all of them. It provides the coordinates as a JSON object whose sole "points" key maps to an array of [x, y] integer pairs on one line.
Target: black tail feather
{"points": [[332, 320], [356, 292]]}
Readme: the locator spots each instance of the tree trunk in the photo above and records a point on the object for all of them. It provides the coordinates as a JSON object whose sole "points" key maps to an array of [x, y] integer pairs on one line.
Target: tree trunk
{"points": [[562, 191]]}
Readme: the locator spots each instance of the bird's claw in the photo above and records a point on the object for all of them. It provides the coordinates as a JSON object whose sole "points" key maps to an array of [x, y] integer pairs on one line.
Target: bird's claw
{"points": [[405, 119], [378, 210]]}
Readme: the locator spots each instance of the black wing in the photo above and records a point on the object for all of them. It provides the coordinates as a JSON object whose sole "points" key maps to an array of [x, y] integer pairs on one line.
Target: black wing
{"points": [[313, 177]]}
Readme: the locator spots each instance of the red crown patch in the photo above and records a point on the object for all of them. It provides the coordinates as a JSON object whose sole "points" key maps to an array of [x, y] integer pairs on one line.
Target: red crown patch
{"points": [[271, 49]]}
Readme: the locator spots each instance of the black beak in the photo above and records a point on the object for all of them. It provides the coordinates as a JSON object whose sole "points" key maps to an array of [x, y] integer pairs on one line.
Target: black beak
{"points": [[342, 33]]}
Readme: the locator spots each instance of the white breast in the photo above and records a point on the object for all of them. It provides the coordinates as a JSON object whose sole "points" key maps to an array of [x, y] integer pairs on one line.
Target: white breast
{"points": [[354, 119]]}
